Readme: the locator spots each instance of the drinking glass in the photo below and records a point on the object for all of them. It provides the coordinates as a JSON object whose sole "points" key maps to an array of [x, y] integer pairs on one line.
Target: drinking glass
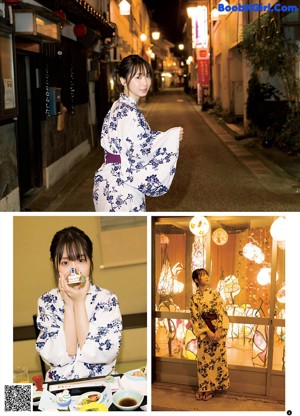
{"points": [[21, 375]]}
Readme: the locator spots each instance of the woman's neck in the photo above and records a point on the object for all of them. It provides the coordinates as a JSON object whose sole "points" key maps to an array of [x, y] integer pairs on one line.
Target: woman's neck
{"points": [[202, 288]]}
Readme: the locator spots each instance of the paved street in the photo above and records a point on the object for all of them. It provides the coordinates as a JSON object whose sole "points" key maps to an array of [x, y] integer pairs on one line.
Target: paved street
{"points": [[215, 172]]}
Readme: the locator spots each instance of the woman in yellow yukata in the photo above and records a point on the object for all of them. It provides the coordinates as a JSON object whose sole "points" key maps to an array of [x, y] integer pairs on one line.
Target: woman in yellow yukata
{"points": [[139, 162], [210, 324]]}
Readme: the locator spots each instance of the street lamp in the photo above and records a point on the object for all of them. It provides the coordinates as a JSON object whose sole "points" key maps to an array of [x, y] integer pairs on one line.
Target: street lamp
{"points": [[155, 35], [143, 37], [181, 46], [124, 8]]}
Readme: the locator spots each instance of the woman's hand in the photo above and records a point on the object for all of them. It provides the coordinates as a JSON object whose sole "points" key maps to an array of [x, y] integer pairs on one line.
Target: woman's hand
{"points": [[211, 335], [70, 294], [180, 134]]}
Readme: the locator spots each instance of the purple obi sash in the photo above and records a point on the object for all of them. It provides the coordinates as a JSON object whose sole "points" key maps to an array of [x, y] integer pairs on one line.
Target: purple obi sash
{"points": [[111, 158]]}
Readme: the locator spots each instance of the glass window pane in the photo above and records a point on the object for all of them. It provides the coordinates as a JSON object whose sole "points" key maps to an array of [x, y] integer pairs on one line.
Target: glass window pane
{"points": [[247, 344], [279, 349]]}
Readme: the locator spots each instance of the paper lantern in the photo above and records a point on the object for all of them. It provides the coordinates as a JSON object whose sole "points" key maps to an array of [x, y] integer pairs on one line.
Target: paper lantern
{"points": [[264, 276], [80, 30], [220, 236], [61, 14], [278, 229], [199, 226], [253, 253]]}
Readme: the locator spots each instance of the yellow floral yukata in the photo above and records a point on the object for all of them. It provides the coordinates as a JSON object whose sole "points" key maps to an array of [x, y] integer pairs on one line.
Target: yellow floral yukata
{"points": [[212, 368]]}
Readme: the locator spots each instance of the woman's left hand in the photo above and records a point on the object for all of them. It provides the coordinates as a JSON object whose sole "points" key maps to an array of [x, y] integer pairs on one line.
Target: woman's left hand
{"points": [[76, 294]]}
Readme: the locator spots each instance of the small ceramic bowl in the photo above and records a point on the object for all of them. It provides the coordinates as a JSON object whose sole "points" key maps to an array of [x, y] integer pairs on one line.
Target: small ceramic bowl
{"points": [[127, 399], [36, 398]]}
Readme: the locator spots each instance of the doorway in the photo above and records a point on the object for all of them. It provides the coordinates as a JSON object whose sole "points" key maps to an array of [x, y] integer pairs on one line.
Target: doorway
{"points": [[28, 125]]}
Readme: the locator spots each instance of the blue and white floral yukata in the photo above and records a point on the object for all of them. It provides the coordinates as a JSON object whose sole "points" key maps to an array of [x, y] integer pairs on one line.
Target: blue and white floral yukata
{"points": [[139, 161], [99, 353]]}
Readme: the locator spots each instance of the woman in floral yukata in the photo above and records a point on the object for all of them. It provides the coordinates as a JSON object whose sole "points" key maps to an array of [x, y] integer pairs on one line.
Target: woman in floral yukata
{"points": [[210, 324], [138, 161], [80, 324]]}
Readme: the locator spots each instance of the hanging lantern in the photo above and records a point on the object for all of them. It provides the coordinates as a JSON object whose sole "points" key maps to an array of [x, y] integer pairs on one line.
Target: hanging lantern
{"points": [[278, 229], [80, 30], [264, 276], [61, 14], [199, 226], [220, 236], [253, 253]]}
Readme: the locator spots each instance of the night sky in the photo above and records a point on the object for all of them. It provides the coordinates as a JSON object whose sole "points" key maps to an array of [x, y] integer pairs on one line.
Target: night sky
{"points": [[170, 16]]}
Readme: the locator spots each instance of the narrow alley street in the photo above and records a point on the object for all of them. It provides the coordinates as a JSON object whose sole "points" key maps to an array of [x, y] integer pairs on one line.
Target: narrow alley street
{"points": [[215, 172]]}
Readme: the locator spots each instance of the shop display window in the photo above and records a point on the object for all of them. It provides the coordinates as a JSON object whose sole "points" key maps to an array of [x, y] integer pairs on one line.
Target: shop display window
{"points": [[244, 267]]}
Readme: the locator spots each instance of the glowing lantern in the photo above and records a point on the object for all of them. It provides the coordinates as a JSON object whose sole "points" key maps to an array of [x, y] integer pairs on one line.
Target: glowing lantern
{"points": [[199, 226], [124, 8], [264, 276], [278, 229], [253, 253], [220, 236]]}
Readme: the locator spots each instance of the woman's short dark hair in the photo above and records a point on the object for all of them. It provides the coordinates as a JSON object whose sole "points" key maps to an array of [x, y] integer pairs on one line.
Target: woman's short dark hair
{"points": [[76, 243], [197, 273], [133, 64]]}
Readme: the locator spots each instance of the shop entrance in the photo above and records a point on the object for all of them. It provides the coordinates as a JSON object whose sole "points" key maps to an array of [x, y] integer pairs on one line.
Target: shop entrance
{"points": [[246, 265], [28, 128]]}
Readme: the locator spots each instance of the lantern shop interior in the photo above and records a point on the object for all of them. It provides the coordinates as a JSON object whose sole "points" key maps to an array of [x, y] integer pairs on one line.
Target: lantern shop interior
{"points": [[245, 258]]}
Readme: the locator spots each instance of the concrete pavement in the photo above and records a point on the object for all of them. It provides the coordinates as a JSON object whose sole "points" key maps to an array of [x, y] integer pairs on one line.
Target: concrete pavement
{"points": [[73, 193], [175, 397]]}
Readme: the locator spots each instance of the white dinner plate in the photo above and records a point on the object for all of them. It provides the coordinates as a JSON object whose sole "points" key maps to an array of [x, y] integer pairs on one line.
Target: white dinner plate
{"points": [[130, 382]]}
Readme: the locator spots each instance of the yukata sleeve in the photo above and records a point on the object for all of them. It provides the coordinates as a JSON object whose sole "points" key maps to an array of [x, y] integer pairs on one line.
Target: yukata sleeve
{"points": [[222, 317], [198, 324], [51, 342], [103, 341], [148, 158]]}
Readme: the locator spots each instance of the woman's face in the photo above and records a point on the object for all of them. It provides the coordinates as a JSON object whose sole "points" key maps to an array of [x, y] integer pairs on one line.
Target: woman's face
{"points": [[203, 279], [82, 264], [138, 86]]}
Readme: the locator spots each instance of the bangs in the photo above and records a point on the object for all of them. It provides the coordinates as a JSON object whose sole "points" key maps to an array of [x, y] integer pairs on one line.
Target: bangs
{"points": [[139, 68]]}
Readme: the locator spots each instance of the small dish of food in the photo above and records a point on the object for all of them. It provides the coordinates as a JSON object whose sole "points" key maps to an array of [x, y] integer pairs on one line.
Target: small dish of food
{"points": [[87, 398]]}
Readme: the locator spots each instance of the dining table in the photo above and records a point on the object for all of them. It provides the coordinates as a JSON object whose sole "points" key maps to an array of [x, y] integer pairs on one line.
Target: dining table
{"points": [[45, 400]]}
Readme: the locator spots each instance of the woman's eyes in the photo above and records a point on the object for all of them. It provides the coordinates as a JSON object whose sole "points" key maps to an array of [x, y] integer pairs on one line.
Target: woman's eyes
{"points": [[66, 263], [142, 76]]}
